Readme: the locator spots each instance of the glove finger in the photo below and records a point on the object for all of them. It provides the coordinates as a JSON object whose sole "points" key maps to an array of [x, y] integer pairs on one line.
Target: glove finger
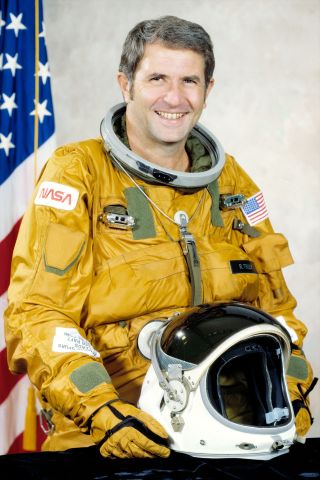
{"points": [[109, 449], [151, 423], [136, 451], [121, 446], [142, 442], [303, 422], [105, 451]]}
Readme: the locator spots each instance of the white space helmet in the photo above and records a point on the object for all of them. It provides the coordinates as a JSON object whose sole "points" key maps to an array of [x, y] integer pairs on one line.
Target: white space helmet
{"points": [[217, 381], [125, 158]]}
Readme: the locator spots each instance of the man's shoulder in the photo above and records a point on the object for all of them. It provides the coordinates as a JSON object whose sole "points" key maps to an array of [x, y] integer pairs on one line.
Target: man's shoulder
{"points": [[235, 176], [84, 160], [229, 171], [86, 154], [83, 148]]}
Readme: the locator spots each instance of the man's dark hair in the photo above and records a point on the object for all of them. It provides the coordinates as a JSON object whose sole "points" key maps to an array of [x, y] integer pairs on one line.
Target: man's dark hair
{"points": [[173, 32]]}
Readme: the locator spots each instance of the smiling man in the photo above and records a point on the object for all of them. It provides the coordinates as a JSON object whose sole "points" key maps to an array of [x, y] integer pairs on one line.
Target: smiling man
{"points": [[158, 220], [164, 102]]}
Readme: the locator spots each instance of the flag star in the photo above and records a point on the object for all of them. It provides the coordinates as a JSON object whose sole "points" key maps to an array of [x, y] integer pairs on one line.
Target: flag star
{"points": [[5, 143], [42, 110], [2, 22], [16, 24], [9, 103], [44, 72], [12, 64], [1, 61], [43, 33]]}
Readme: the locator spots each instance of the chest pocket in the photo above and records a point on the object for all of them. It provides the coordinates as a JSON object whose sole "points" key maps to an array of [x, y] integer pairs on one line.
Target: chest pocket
{"points": [[156, 277], [221, 280], [139, 282], [270, 254]]}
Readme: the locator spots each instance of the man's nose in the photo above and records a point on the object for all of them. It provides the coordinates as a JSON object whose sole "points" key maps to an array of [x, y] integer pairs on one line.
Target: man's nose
{"points": [[174, 94]]}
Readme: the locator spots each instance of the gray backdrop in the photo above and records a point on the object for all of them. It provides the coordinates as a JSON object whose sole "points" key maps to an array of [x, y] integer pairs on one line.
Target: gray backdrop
{"points": [[265, 106]]}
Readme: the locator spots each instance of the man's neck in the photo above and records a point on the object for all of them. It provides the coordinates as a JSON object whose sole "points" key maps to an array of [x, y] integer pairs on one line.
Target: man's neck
{"points": [[167, 155]]}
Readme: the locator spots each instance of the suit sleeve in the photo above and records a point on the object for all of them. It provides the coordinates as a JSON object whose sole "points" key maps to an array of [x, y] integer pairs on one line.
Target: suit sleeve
{"points": [[51, 276], [270, 254]]}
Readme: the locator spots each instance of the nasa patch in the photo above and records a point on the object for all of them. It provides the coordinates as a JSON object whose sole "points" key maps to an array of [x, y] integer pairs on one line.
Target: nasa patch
{"points": [[57, 195]]}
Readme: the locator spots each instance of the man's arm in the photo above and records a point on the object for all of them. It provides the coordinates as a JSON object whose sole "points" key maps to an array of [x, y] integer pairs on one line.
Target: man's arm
{"points": [[270, 253], [52, 272]]}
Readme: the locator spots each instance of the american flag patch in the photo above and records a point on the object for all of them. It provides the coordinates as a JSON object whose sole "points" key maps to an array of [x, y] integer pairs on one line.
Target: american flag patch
{"points": [[255, 210]]}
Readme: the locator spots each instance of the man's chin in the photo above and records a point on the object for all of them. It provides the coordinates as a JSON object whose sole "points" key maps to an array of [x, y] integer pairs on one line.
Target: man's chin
{"points": [[171, 138]]}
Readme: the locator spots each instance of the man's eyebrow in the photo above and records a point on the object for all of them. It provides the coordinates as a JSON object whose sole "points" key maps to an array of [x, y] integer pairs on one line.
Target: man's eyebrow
{"points": [[157, 74], [195, 78]]}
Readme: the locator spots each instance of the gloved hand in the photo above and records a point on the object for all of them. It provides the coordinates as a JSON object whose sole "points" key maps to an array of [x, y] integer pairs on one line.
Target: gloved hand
{"points": [[303, 420], [300, 382], [124, 431], [301, 408]]}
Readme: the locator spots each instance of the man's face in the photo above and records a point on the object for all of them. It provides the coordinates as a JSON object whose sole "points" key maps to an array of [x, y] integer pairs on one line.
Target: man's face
{"points": [[167, 96]]}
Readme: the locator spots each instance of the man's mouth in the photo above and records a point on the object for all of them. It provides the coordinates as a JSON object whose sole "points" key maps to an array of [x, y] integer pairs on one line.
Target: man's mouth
{"points": [[170, 116]]}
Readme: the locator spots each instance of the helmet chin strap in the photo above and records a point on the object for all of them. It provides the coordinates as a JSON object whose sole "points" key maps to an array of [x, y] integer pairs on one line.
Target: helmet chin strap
{"points": [[153, 173], [163, 382], [176, 389]]}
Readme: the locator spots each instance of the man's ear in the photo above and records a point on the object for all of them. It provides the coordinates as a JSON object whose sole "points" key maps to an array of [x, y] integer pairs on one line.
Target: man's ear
{"points": [[208, 90], [124, 85]]}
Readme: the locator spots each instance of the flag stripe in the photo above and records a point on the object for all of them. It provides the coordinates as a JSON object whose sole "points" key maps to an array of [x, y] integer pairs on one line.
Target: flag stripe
{"points": [[16, 191], [255, 209], [260, 214], [16, 446], [6, 249], [26, 139], [3, 305], [7, 378], [9, 442], [11, 418]]}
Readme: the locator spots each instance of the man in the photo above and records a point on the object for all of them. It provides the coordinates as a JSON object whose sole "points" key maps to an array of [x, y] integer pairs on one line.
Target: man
{"points": [[136, 227]]}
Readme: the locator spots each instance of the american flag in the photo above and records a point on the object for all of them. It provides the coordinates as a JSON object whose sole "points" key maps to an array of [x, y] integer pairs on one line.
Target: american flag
{"points": [[255, 210], [26, 141]]}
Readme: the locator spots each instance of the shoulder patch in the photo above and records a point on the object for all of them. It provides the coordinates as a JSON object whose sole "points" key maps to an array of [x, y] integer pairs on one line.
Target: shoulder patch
{"points": [[57, 195], [255, 209]]}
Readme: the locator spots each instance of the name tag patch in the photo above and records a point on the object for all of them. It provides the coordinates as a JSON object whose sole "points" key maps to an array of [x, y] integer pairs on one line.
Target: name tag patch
{"points": [[69, 340], [242, 266], [57, 195]]}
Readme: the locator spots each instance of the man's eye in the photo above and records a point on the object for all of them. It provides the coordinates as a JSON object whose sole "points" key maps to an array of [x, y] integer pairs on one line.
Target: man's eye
{"points": [[157, 78], [189, 80]]}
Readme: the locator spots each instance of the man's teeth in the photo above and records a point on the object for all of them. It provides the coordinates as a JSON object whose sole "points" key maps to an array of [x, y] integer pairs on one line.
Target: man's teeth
{"points": [[170, 116]]}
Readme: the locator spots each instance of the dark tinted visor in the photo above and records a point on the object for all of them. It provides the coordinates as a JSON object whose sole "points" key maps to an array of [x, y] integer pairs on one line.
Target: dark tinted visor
{"points": [[194, 335], [246, 384]]}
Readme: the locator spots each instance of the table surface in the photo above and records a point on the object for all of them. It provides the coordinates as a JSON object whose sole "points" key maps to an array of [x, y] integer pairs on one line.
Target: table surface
{"points": [[302, 462]]}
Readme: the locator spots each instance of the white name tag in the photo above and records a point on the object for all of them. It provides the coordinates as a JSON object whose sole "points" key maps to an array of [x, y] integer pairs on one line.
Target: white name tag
{"points": [[57, 195], [69, 340]]}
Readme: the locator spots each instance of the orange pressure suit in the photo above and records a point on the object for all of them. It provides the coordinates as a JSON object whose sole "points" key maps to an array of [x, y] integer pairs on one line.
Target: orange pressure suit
{"points": [[81, 290]]}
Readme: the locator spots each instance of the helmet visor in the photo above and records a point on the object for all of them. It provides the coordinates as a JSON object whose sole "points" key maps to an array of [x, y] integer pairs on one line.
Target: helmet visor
{"points": [[246, 385]]}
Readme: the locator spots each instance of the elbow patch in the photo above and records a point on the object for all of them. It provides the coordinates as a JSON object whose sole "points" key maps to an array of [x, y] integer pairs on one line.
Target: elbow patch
{"points": [[298, 368], [89, 376]]}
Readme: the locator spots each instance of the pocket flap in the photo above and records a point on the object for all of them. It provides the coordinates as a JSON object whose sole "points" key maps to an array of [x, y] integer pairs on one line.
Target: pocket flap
{"points": [[269, 252], [63, 248]]}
